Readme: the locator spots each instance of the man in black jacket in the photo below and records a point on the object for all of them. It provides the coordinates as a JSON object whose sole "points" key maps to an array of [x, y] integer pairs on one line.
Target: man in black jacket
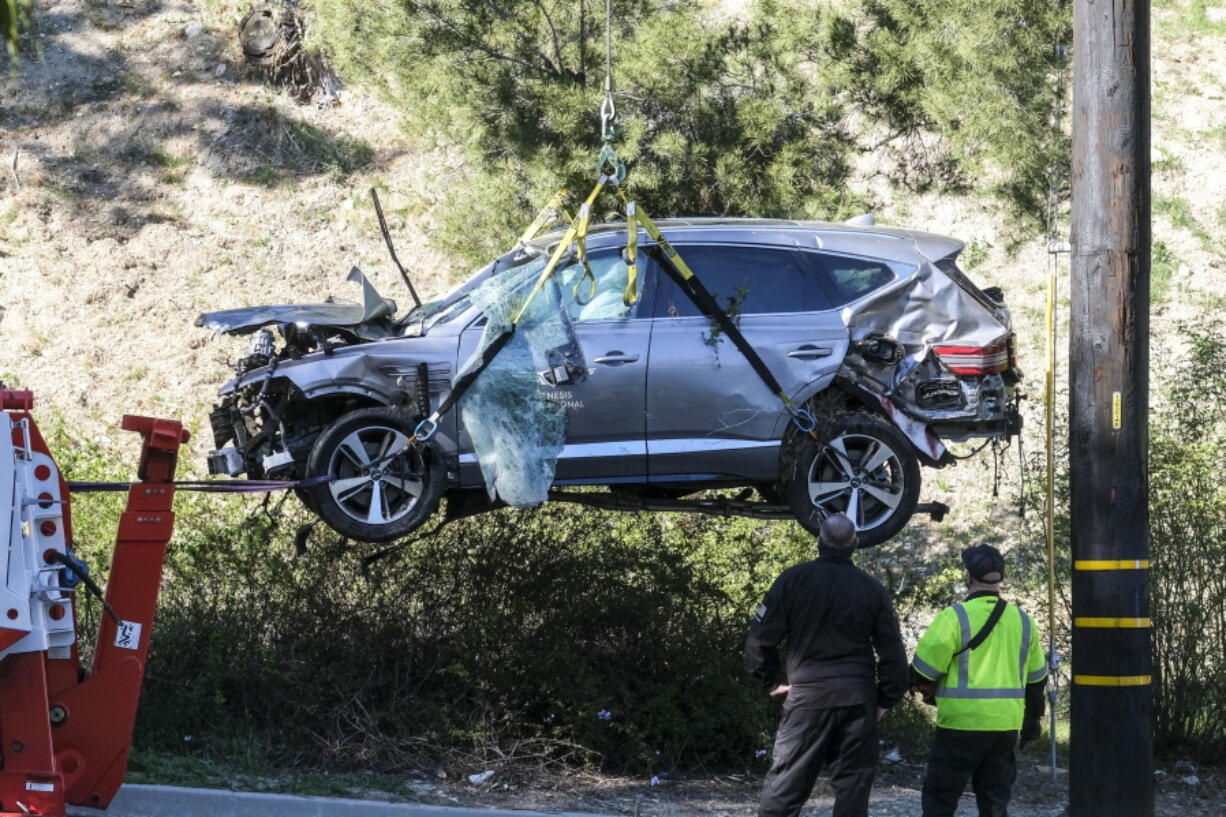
{"points": [[834, 617]]}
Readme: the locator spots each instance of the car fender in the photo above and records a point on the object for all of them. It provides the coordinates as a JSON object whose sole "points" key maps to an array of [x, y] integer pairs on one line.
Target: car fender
{"points": [[840, 392]]}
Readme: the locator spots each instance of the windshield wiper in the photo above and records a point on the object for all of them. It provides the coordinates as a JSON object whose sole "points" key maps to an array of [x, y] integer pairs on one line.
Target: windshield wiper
{"points": [[387, 236]]}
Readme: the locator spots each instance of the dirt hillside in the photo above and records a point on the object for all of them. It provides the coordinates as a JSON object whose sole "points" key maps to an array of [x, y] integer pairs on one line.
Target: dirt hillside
{"points": [[148, 176]]}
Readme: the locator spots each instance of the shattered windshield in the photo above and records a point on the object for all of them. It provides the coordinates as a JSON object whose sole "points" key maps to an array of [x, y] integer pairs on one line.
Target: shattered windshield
{"points": [[457, 299], [517, 433]]}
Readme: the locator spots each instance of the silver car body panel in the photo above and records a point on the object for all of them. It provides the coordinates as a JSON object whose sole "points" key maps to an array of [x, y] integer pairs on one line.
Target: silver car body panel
{"points": [[695, 412]]}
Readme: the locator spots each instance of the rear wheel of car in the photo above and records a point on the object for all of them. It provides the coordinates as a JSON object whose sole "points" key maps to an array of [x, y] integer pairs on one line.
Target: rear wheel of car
{"points": [[383, 487], [859, 465]]}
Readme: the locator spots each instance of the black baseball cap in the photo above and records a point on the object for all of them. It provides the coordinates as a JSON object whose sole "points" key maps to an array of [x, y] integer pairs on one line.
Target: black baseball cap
{"points": [[984, 563]]}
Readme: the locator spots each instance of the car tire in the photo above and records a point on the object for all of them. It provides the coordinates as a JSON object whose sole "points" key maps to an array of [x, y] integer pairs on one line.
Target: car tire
{"points": [[383, 487], [827, 475]]}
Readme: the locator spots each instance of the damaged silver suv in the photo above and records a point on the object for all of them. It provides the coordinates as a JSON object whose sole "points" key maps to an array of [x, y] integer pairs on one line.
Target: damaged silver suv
{"points": [[875, 331]]}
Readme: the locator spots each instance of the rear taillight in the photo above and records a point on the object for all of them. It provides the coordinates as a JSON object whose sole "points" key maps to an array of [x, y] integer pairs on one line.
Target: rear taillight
{"points": [[974, 359]]}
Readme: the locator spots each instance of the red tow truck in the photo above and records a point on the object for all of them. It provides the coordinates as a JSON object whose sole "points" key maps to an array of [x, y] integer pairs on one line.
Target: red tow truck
{"points": [[65, 730]]}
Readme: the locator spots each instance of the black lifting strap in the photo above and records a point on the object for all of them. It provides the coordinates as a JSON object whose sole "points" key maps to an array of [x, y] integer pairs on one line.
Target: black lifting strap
{"points": [[988, 626], [697, 292], [487, 357]]}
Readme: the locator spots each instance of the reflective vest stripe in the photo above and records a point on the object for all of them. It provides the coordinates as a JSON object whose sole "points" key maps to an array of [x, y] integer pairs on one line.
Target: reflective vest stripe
{"points": [[1021, 666], [926, 669], [964, 657], [981, 693], [1037, 675]]}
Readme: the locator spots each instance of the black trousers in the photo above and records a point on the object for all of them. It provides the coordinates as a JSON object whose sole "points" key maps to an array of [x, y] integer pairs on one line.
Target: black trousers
{"points": [[845, 737], [986, 759]]}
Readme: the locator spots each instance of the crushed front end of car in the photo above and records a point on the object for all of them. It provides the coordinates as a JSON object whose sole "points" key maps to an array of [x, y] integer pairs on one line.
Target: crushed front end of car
{"points": [[265, 422]]}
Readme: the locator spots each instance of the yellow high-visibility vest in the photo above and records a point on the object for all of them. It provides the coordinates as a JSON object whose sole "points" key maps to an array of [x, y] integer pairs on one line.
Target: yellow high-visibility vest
{"points": [[984, 689]]}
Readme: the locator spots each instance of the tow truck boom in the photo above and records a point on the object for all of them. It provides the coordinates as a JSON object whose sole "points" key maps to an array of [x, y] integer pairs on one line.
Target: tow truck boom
{"points": [[65, 733]]}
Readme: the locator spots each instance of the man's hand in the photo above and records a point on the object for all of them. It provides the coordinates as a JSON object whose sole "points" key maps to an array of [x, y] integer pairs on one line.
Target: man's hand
{"points": [[779, 691], [1030, 731], [927, 692]]}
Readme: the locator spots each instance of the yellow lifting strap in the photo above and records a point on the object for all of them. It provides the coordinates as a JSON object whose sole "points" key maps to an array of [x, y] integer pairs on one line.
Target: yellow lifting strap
{"points": [[560, 250], [632, 249], [584, 219], [656, 236], [548, 214]]}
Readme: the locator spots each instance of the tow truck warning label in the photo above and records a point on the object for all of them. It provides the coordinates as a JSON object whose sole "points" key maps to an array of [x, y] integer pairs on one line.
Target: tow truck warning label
{"points": [[127, 635]]}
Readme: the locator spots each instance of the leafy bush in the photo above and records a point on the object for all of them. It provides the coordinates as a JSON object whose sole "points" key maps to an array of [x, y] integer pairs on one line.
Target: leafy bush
{"points": [[1188, 542], [13, 14], [1187, 531], [552, 635]]}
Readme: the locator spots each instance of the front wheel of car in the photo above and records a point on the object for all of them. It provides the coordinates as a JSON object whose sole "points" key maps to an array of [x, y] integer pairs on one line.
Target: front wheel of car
{"points": [[857, 464], [383, 486]]}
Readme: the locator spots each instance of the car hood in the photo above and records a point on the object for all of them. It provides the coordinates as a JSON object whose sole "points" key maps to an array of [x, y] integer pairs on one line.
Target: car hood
{"points": [[369, 319]]}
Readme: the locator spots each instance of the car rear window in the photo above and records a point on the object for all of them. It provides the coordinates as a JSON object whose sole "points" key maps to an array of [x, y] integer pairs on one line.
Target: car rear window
{"points": [[847, 278], [744, 280]]}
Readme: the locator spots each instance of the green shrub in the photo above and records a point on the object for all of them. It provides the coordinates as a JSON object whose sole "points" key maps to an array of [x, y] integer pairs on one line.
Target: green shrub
{"points": [[1188, 543], [514, 629], [1187, 530], [13, 17]]}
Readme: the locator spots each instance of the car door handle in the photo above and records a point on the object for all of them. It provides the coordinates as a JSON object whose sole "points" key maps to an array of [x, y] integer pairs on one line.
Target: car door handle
{"points": [[616, 357], [808, 352]]}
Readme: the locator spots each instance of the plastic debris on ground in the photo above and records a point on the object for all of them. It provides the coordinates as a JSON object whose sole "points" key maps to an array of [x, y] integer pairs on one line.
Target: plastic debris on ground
{"points": [[517, 434], [480, 777]]}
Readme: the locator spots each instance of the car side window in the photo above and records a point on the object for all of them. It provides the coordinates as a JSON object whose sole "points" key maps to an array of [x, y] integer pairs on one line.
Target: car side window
{"points": [[848, 278], [745, 281], [604, 303]]}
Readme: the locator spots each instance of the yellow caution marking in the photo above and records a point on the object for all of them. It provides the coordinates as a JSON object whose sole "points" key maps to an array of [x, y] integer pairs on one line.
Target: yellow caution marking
{"points": [[1122, 623], [1116, 410], [1113, 680], [1111, 564]]}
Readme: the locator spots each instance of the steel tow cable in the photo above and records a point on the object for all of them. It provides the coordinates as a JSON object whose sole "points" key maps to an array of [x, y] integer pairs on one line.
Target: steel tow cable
{"points": [[229, 486]]}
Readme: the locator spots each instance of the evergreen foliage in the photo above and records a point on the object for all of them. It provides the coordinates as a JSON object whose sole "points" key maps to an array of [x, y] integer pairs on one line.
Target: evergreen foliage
{"points": [[984, 79], [761, 115]]}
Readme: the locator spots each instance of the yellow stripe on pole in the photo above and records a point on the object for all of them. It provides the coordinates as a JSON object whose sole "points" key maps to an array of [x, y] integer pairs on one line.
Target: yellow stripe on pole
{"points": [[1111, 564], [1113, 680], [1121, 623]]}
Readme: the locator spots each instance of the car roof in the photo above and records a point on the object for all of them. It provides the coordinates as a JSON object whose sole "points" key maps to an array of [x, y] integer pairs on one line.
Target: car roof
{"points": [[889, 243]]}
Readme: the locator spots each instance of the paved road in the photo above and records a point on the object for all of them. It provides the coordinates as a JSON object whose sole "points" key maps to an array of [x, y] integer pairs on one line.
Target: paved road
{"points": [[172, 801]]}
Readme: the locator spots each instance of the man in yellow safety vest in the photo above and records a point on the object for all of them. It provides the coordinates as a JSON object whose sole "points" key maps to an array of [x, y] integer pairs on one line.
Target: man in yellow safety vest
{"points": [[982, 660]]}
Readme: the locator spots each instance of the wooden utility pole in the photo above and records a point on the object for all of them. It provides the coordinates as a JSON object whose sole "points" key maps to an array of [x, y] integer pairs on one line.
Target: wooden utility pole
{"points": [[1111, 751]]}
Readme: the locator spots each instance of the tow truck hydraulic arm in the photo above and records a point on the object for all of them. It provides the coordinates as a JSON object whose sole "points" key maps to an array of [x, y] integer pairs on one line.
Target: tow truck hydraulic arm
{"points": [[65, 731]]}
